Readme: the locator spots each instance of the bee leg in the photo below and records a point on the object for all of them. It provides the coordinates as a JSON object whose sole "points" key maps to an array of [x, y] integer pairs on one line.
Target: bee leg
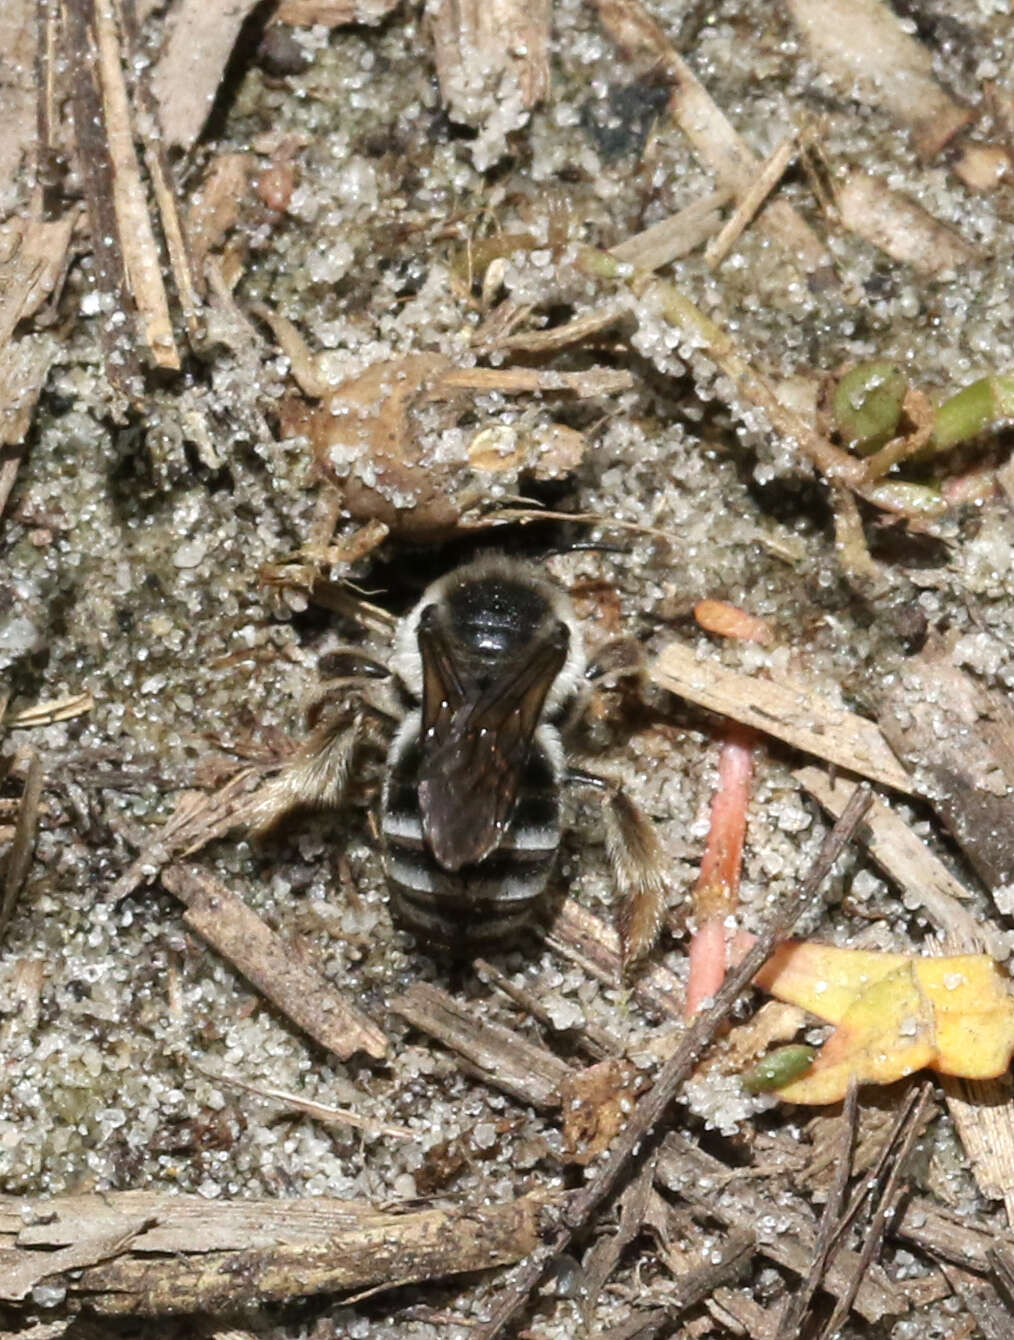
{"points": [[317, 773], [637, 863], [619, 658]]}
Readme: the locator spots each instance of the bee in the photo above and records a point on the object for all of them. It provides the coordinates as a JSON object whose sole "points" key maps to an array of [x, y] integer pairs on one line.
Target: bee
{"points": [[485, 682]]}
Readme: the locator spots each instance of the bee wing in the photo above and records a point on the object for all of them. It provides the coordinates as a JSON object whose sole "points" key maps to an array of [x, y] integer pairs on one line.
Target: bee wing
{"points": [[474, 749]]}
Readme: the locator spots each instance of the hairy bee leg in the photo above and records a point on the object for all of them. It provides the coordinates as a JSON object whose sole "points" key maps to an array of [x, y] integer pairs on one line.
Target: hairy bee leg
{"points": [[637, 863], [318, 772], [619, 658]]}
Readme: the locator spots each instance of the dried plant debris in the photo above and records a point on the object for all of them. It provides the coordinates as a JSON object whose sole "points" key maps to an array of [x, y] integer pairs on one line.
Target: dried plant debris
{"points": [[199, 41], [492, 60], [18, 42], [177, 1254], [863, 47], [899, 226], [278, 970]]}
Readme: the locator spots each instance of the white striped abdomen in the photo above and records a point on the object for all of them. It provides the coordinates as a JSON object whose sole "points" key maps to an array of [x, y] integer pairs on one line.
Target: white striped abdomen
{"points": [[491, 899]]}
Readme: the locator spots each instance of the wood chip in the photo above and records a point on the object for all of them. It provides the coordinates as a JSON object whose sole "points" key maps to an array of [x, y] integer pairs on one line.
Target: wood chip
{"points": [[18, 123], [709, 131], [958, 740], [490, 55], [211, 1256], [35, 259], [24, 368], [215, 206], [137, 236], [199, 41], [19, 858], [771, 173], [21, 1271], [332, 13], [674, 237], [863, 47], [923, 878], [277, 969], [501, 1057], [790, 711], [899, 226]]}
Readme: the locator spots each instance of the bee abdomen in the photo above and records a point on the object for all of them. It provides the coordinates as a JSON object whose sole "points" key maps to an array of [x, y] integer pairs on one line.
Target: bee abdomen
{"points": [[483, 902]]}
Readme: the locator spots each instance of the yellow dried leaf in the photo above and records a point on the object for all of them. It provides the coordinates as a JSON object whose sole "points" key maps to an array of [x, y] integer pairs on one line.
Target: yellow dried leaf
{"points": [[895, 1014]]}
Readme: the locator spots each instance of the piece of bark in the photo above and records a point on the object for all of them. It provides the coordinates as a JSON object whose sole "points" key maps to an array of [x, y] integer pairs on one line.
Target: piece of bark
{"points": [[186, 76], [278, 970], [98, 174], [899, 226], [35, 259], [18, 124], [21, 1271], [862, 46], [923, 878], [502, 1057], [24, 368], [140, 251], [676, 236], [788, 1237], [377, 1249], [788, 710], [712, 136], [738, 1307], [948, 1236], [215, 206], [180, 1223], [489, 53], [332, 13], [592, 942], [957, 738]]}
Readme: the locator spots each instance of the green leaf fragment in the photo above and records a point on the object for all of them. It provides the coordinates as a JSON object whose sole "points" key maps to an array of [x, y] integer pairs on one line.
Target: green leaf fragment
{"points": [[867, 405], [978, 406], [778, 1068]]}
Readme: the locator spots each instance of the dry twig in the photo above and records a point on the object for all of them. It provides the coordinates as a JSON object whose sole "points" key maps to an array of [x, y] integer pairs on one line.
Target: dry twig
{"points": [[275, 968], [789, 711], [189, 1254], [497, 1054], [19, 858]]}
